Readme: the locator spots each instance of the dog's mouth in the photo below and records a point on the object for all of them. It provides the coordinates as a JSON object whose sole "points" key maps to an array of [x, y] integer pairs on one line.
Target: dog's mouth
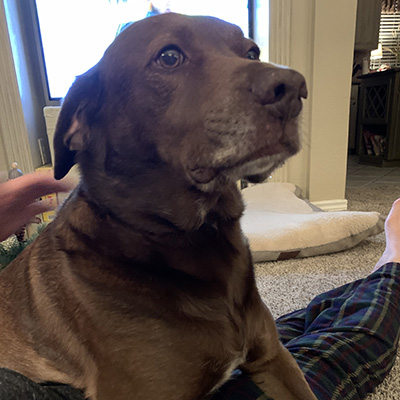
{"points": [[252, 157], [255, 167]]}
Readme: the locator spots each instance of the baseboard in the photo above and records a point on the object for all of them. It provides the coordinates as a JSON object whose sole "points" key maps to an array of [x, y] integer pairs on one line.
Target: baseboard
{"points": [[332, 205]]}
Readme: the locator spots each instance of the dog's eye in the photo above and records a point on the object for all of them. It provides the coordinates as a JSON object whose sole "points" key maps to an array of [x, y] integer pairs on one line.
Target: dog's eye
{"points": [[170, 57], [253, 54]]}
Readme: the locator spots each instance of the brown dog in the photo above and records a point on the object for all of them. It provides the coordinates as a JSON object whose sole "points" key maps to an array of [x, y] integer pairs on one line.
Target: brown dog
{"points": [[143, 286]]}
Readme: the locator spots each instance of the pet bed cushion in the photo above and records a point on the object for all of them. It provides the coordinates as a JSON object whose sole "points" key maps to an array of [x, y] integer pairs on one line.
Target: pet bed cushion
{"points": [[280, 225]]}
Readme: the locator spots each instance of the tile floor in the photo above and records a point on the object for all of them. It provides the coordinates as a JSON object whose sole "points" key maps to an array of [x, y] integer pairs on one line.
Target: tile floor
{"points": [[359, 175]]}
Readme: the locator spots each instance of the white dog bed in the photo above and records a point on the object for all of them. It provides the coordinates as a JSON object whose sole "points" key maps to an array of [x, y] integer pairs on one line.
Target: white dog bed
{"points": [[280, 225]]}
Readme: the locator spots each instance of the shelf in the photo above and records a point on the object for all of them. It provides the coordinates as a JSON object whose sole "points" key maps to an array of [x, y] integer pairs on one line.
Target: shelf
{"points": [[378, 127]]}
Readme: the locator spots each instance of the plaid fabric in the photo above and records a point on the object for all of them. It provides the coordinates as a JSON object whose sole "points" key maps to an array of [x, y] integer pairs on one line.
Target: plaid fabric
{"points": [[346, 340]]}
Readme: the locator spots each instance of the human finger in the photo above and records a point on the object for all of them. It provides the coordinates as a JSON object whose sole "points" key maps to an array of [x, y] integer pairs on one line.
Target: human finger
{"points": [[29, 187], [13, 221]]}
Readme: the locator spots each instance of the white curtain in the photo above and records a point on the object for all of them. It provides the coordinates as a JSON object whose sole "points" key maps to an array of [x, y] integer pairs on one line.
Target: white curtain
{"points": [[14, 143]]}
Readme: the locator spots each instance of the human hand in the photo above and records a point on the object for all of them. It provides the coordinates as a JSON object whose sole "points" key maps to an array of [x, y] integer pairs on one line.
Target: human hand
{"points": [[18, 199]]}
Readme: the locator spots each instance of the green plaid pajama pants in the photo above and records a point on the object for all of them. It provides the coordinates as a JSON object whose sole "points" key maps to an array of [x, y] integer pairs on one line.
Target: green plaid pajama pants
{"points": [[345, 342]]}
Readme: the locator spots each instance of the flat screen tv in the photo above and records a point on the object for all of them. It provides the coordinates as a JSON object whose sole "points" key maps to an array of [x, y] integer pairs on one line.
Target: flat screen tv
{"points": [[73, 34]]}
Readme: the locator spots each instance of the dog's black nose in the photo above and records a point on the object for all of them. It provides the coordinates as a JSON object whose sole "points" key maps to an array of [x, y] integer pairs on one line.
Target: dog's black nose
{"points": [[280, 89]]}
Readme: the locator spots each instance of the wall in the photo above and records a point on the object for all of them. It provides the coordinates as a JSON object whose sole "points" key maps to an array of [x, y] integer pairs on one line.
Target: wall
{"points": [[334, 31], [300, 57], [319, 45]]}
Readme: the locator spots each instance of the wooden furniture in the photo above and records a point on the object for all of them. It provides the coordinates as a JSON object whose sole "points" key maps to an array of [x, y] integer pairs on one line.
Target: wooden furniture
{"points": [[379, 119], [353, 145]]}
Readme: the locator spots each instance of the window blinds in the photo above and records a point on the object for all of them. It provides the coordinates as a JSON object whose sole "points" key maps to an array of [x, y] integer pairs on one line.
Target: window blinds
{"points": [[389, 37]]}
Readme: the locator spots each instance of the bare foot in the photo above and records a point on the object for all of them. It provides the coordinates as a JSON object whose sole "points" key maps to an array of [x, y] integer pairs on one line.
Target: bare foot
{"points": [[392, 231]]}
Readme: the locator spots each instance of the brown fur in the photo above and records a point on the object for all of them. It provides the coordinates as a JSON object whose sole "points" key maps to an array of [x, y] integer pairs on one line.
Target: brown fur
{"points": [[143, 286]]}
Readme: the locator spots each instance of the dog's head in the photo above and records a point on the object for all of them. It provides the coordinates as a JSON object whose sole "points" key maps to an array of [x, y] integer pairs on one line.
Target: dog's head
{"points": [[184, 94]]}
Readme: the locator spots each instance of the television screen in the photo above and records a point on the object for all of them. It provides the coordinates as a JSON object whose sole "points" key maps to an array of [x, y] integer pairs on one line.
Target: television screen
{"points": [[75, 33]]}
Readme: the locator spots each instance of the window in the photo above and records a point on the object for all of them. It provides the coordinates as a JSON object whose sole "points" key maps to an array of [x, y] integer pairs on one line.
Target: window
{"points": [[75, 33], [389, 39]]}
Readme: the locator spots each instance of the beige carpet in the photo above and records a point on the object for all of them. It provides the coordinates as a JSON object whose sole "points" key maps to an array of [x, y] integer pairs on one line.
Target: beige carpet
{"points": [[289, 285]]}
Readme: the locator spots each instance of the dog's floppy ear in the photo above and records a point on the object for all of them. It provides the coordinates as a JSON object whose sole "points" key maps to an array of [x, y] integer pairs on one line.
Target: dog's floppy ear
{"points": [[77, 114]]}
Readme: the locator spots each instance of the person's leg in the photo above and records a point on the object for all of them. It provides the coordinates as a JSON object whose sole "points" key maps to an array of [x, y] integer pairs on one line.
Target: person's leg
{"points": [[392, 232], [345, 341]]}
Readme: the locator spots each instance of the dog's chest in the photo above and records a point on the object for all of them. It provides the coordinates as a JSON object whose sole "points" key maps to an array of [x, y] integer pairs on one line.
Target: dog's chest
{"points": [[199, 329], [182, 306]]}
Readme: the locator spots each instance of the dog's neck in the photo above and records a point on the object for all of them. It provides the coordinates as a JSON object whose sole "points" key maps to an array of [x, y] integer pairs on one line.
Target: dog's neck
{"points": [[161, 201], [134, 222]]}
